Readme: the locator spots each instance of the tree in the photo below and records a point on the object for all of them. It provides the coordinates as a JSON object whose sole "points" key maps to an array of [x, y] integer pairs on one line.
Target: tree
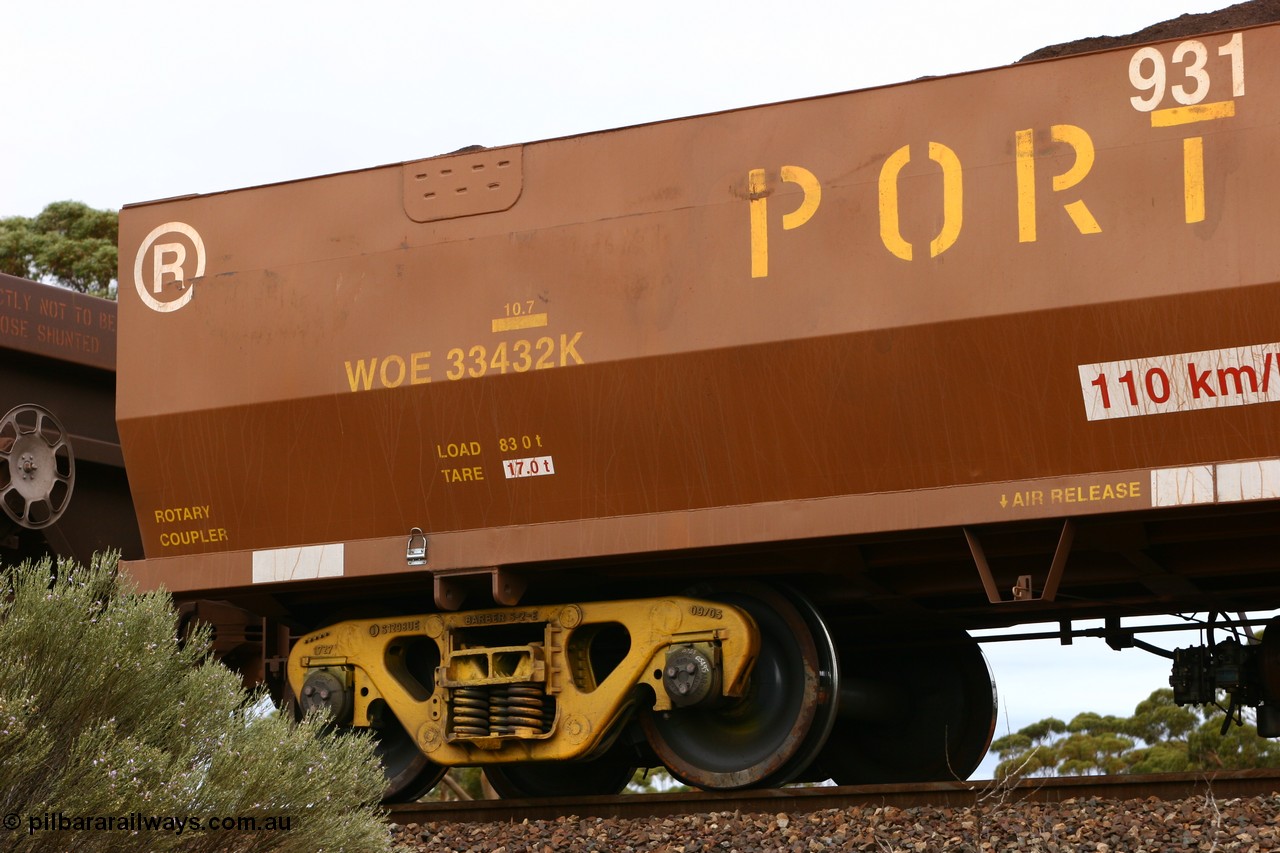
{"points": [[105, 718], [68, 243], [1160, 737]]}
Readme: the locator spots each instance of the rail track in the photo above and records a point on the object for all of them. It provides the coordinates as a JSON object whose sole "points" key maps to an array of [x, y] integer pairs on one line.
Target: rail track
{"points": [[1164, 786]]}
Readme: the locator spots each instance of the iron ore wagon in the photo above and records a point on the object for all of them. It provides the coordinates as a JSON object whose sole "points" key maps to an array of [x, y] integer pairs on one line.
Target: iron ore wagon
{"points": [[705, 443]]}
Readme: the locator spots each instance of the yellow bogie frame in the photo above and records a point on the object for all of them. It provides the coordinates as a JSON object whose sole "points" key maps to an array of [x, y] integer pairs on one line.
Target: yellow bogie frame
{"points": [[466, 700]]}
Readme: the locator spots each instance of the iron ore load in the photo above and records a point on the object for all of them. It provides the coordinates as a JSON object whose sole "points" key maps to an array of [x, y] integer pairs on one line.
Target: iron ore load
{"points": [[705, 443]]}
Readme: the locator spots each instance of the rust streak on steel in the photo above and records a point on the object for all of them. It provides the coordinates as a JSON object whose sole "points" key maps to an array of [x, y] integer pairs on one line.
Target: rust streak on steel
{"points": [[1165, 786]]}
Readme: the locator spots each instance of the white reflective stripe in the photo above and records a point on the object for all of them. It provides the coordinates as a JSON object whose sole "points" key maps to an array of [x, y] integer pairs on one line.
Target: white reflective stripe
{"points": [[1179, 486], [292, 564], [1227, 482], [1249, 481]]}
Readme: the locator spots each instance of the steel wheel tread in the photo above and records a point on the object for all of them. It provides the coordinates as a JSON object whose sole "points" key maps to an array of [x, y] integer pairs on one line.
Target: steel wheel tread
{"points": [[768, 736]]}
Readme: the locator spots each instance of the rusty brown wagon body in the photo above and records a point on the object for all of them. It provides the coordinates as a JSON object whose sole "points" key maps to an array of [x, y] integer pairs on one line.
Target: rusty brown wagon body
{"points": [[63, 489], [971, 351]]}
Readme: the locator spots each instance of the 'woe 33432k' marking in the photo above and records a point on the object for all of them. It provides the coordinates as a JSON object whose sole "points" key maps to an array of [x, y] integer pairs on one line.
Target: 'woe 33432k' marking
{"points": [[416, 368]]}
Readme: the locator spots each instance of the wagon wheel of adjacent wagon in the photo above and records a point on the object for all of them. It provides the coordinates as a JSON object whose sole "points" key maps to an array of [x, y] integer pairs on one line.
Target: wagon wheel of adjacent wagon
{"points": [[606, 775], [37, 467], [772, 733], [917, 712], [409, 773]]}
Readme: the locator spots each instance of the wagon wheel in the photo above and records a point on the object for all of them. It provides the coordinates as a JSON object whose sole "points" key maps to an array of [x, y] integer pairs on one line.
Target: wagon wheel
{"points": [[922, 712], [37, 468], [409, 773], [606, 775], [773, 732]]}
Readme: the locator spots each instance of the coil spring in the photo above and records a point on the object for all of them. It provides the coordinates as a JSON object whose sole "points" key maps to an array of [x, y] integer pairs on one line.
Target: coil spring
{"points": [[470, 711], [519, 706]]}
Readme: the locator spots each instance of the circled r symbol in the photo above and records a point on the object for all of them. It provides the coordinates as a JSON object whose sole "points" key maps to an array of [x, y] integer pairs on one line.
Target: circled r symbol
{"points": [[168, 264]]}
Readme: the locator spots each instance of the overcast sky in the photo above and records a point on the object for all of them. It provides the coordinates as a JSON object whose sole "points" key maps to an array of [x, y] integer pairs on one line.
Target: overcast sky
{"points": [[111, 103]]}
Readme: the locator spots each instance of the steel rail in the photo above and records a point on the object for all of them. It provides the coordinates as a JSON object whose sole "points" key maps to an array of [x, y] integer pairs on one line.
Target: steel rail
{"points": [[1164, 786]]}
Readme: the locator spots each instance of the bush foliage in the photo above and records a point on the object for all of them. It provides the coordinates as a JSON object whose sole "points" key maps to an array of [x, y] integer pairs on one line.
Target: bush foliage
{"points": [[104, 715], [1160, 737]]}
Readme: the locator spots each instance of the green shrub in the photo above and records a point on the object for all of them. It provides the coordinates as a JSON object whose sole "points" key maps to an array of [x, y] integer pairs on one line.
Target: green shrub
{"points": [[105, 719]]}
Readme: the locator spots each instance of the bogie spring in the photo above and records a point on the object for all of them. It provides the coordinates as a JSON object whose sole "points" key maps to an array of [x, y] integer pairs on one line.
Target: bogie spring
{"points": [[519, 709], [470, 711], [522, 709]]}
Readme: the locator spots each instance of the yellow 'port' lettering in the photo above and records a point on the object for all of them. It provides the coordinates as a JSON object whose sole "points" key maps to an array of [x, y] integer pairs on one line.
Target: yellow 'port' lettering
{"points": [[952, 201], [952, 198], [1025, 170], [1193, 178], [812, 190], [759, 209], [890, 229], [1074, 138]]}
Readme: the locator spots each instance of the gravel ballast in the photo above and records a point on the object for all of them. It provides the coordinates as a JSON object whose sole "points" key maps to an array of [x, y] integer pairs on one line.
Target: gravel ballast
{"points": [[1100, 826]]}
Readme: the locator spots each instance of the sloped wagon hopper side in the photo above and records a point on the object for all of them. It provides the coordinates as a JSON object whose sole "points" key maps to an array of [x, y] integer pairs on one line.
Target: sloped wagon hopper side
{"points": [[704, 442]]}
